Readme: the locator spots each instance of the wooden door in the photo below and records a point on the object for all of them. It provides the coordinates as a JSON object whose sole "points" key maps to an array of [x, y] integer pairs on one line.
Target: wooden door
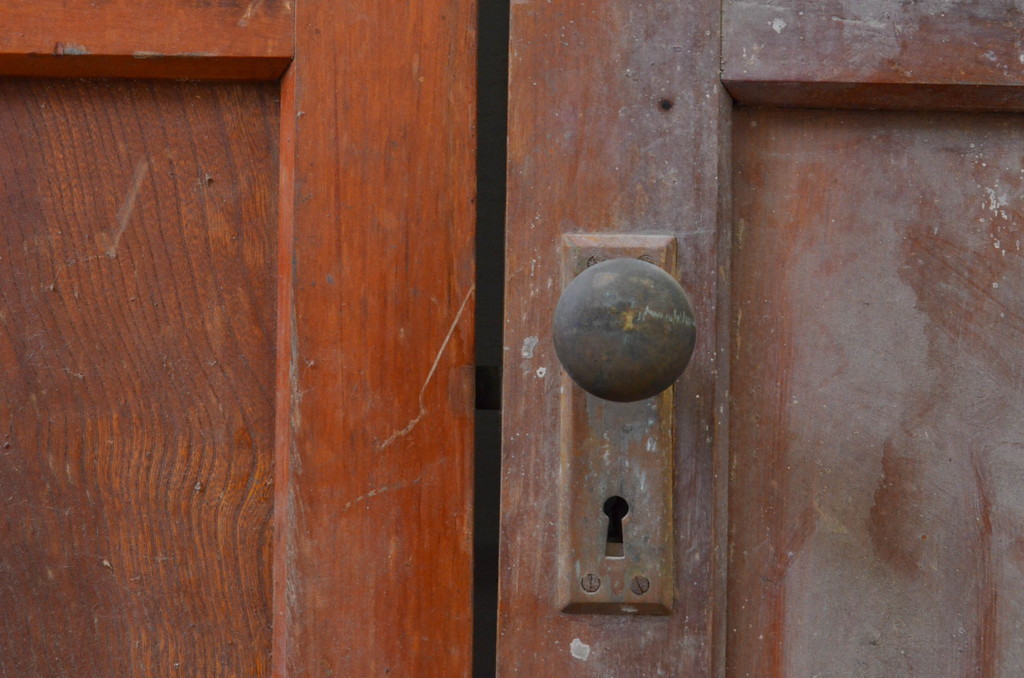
{"points": [[236, 300], [843, 181]]}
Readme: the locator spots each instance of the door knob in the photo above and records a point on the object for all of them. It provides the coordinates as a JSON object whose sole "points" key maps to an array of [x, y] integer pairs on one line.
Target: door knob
{"points": [[624, 330]]}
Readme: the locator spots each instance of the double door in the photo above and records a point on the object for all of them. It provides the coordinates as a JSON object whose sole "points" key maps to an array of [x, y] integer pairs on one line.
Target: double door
{"points": [[236, 334]]}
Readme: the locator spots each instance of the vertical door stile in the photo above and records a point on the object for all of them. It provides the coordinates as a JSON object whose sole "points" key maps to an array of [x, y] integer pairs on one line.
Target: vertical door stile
{"points": [[618, 124], [374, 562]]}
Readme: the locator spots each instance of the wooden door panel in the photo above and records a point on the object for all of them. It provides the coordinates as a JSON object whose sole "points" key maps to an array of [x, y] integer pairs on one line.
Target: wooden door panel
{"points": [[137, 302], [362, 270], [364, 277], [878, 298]]}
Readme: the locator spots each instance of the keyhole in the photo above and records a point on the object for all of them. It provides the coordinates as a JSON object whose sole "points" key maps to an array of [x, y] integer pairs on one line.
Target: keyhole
{"points": [[616, 509]]}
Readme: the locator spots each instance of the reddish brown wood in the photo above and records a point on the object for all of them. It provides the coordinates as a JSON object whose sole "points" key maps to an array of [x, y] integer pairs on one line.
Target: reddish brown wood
{"points": [[875, 494], [615, 127], [376, 519], [195, 67], [283, 478], [245, 39], [875, 54], [136, 354]]}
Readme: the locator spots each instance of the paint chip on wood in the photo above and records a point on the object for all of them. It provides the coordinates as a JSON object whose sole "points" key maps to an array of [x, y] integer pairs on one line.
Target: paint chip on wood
{"points": [[529, 344], [579, 649]]}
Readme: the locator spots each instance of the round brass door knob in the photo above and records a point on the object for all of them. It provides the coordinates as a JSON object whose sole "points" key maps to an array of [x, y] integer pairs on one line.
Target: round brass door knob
{"points": [[624, 330]]}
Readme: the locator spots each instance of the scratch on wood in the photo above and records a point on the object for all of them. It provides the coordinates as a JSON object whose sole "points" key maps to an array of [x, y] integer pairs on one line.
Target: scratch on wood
{"points": [[429, 471], [128, 206], [295, 411], [249, 11], [378, 491], [430, 375]]}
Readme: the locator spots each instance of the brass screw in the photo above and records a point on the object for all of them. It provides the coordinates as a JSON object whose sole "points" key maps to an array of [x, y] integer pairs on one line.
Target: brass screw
{"points": [[640, 585], [590, 583]]}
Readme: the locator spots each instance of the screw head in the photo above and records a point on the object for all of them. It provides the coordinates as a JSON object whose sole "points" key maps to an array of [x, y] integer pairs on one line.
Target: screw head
{"points": [[640, 585], [590, 583]]}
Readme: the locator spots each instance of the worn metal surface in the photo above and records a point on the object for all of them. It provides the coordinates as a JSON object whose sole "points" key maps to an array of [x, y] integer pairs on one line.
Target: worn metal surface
{"points": [[616, 463], [624, 329]]}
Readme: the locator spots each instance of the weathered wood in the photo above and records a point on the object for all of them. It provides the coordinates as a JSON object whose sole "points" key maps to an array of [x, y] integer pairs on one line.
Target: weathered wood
{"points": [[136, 354], [375, 522], [876, 512], [283, 384], [875, 54], [164, 39], [615, 127]]}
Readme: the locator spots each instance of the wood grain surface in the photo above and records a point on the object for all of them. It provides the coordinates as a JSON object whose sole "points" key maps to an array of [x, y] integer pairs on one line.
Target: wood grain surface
{"points": [[615, 126], [926, 55], [374, 567], [136, 363], [230, 39], [875, 504]]}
